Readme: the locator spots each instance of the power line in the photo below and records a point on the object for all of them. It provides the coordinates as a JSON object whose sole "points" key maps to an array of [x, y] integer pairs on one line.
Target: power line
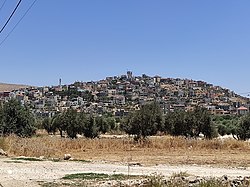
{"points": [[13, 12], [18, 22], [2, 5]]}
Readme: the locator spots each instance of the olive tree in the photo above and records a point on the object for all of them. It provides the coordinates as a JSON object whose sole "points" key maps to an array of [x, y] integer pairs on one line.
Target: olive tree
{"points": [[16, 119], [145, 122], [243, 128]]}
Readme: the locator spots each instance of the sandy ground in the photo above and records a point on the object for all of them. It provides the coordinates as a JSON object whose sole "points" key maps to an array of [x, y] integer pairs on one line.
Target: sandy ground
{"points": [[28, 173]]}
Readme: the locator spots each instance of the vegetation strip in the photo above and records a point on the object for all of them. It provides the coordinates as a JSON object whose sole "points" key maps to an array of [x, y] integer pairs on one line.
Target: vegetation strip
{"points": [[101, 176], [27, 159], [181, 179], [147, 121]]}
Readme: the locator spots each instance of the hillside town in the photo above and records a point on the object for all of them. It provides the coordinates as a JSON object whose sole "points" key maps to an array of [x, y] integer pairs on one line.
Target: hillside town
{"points": [[118, 95]]}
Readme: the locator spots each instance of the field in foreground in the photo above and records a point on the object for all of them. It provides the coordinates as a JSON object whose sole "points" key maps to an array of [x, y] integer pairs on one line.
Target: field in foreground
{"points": [[157, 150], [27, 172]]}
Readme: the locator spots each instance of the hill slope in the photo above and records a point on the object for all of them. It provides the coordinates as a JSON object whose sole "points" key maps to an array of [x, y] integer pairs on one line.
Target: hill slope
{"points": [[10, 87]]}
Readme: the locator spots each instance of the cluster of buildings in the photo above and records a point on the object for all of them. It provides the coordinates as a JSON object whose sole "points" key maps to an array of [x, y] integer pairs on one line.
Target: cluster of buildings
{"points": [[119, 95]]}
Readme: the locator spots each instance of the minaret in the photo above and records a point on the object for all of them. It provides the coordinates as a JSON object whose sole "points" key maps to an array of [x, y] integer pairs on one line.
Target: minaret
{"points": [[60, 83]]}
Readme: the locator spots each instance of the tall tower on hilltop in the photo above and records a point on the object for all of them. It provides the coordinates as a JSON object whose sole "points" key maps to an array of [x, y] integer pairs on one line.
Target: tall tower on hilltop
{"points": [[129, 75], [60, 83]]}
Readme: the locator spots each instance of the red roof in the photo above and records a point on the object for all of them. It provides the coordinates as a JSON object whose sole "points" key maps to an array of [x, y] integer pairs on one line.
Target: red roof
{"points": [[242, 108]]}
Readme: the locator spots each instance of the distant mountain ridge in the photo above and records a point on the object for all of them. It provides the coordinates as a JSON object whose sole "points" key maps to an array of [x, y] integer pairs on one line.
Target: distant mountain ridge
{"points": [[9, 87]]}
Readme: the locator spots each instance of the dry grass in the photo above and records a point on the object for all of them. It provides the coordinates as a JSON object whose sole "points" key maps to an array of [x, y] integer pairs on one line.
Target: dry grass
{"points": [[157, 150]]}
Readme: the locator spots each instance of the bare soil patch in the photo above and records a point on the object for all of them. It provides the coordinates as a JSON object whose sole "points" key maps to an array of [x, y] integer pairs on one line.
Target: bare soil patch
{"points": [[29, 173]]}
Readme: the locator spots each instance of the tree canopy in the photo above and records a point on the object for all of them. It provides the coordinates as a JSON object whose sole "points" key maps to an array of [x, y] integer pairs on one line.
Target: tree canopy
{"points": [[243, 128], [190, 124], [16, 119], [145, 122]]}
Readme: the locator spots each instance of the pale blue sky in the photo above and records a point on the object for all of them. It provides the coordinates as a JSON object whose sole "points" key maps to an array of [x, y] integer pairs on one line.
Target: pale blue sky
{"points": [[91, 39]]}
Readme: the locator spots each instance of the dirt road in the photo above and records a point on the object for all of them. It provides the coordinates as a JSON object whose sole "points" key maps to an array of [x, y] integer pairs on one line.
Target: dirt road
{"points": [[27, 173]]}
